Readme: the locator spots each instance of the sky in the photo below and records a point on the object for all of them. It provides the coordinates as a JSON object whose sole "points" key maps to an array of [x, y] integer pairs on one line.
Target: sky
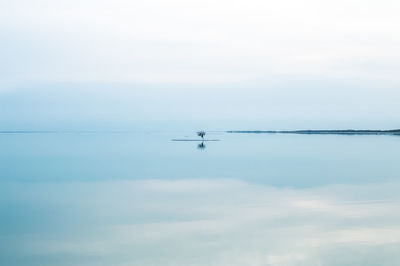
{"points": [[222, 64]]}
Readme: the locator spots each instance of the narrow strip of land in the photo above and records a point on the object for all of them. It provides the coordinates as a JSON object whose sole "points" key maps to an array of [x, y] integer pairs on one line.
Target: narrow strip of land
{"points": [[200, 140], [326, 132]]}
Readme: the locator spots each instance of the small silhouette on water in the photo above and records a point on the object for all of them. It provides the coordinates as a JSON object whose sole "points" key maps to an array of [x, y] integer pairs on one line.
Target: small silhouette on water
{"points": [[201, 146], [201, 134]]}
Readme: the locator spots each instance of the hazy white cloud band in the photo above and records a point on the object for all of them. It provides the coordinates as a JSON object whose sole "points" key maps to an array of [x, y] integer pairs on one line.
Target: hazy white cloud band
{"points": [[197, 41]]}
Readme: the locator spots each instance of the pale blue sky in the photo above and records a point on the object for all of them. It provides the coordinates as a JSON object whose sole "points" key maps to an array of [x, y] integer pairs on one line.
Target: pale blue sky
{"points": [[210, 64]]}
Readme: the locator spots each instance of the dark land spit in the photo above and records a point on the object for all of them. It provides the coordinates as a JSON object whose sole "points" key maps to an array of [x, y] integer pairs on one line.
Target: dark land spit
{"points": [[200, 140], [322, 132]]}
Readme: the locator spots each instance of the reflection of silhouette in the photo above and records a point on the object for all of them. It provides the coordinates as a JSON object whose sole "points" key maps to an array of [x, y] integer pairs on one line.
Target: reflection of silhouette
{"points": [[201, 146]]}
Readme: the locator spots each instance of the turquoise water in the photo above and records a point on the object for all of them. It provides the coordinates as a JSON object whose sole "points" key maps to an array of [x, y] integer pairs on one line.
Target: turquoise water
{"points": [[137, 198]]}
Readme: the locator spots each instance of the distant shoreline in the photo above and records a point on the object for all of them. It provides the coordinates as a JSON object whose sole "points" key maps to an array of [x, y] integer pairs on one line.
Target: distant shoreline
{"points": [[199, 140], [321, 132]]}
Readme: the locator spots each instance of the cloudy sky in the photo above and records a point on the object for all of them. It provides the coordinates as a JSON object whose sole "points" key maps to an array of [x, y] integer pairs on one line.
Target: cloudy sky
{"points": [[218, 64]]}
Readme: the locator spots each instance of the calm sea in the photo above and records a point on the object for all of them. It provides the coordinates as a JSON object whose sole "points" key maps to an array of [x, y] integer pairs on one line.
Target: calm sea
{"points": [[138, 198]]}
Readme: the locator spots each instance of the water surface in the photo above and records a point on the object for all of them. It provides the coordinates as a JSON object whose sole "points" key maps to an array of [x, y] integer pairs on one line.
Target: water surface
{"points": [[137, 198]]}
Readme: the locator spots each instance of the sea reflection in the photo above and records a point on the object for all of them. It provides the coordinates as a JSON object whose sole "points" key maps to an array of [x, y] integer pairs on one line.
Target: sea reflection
{"points": [[201, 146], [198, 222]]}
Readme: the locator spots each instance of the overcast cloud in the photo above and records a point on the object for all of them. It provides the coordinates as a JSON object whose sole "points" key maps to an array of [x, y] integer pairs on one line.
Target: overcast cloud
{"points": [[244, 45]]}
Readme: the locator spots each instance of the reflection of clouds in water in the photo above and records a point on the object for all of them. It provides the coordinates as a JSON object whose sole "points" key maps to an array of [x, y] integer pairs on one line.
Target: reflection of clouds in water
{"points": [[210, 222]]}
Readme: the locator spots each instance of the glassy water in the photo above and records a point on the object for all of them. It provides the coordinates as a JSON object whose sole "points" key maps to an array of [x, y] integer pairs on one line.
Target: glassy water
{"points": [[141, 199]]}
